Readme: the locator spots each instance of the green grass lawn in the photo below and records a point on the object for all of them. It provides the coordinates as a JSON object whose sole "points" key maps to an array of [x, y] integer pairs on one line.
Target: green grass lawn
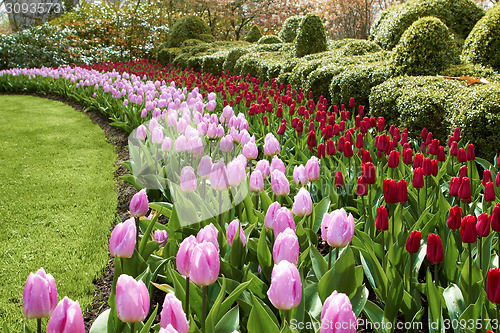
{"points": [[57, 201]]}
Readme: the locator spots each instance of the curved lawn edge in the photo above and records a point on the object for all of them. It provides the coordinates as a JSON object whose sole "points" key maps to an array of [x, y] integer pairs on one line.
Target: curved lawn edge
{"points": [[59, 200]]}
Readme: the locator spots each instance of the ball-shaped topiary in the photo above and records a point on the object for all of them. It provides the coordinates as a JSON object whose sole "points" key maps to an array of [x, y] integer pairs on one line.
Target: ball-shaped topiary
{"points": [[290, 28], [269, 39], [425, 48], [311, 37], [188, 27], [460, 16], [482, 46], [254, 34]]}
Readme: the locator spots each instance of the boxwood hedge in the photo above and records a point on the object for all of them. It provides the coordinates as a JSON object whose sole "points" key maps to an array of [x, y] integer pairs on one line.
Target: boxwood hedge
{"points": [[187, 27], [290, 28], [254, 34], [269, 39], [311, 37]]}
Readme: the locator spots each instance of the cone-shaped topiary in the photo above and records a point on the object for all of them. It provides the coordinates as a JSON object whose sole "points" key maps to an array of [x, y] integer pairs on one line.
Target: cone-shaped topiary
{"points": [[311, 37], [460, 16], [482, 46], [269, 39], [290, 28], [254, 34], [188, 27], [425, 48]]}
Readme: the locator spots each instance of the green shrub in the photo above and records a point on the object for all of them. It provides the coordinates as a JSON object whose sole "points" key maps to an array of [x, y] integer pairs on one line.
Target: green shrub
{"points": [[354, 47], [167, 55], [269, 39], [460, 16], [213, 63], [425, 48], [301, 71], [232, 58], [188, 27], [191, 42], [472, 70], [207, 38], [290, 28], [482, 46], [254, 34], [311, 37]]}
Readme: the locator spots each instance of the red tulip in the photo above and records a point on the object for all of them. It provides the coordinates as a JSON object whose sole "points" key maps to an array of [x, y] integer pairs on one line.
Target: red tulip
{"points": [[471, 155], [424, 134], [368, 171], [311, 140], [382, 219], [468, 232], [418, 178], [455, 217], [393, 161], [330, 147], [489, 192], [495, 218], [483, 225], [361, 110], [462, 172], [321, 150], [461, 155], [493, 285], [464, 191], [434, 249], [390, 189], [413, 242], [402, 191], [456, 134], [454, 148], [486, 177], [418, 162], [435, 168], [362, 187], [380, 124], [359, 140], [441, 155], [427, 166], [348, 149], [339, 180], [407, 156], [454, 186]]}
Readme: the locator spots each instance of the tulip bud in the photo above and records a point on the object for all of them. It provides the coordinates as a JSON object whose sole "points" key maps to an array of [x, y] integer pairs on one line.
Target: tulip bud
{"points": [[390, 190], [263, 167], [141, 132], [284, 219], [173, 315], [271, 145], [380, 124], [302, 203], [461, 157], [413, 242], [277, 164], [188, 180], [123, 239], [495, 218], [231, 232], [455, 217], [407, 156], [256, 181], [493, 285], [209, 233], [139, 205], [454, 186], [286, 247], [368, 171], [285, 291], [483, 225], [362, 187], [205, 264], [337, 315], [382, 220], [418, 178], [418, 162], [271, 215], [161, 236], [337, 228], [468, 232], [489, 192], [393, 161], [312, 169], [471, 155], [464, 192], [402, 191], [434, 249], [132, 299], [184, 255], [454, 149], [40, 295], [218, 176], [348, 149], [330, 147], [299, 175], [67, 317], [427, 167], [339, 179], [279, 183]]}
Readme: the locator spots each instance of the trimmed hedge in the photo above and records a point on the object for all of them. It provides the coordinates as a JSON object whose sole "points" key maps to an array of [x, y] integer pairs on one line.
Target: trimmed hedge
{"points": [[425, 48], [232, 58], [311, 37], [482, 46], [290, 28], [269, 39], [188, 27], [192, 42], [254, 34], [459, 16], [166, 56], [207, 38]]}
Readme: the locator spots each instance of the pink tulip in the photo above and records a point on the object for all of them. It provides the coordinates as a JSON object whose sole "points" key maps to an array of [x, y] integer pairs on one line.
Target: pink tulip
{"points": [[279, 183], [286, 247], [181, 144], [205, 167], [271, 215], [123, 239], [271, 145], [299, 175], [226, 144], [161, 236], [208, 234], [188, 180], [337, 228], [235, 172], [166, 144], [250, 151], [173, 315], [337, 315], [231, 232], [168, 329], [184, 253], [218, 176], [141, 132], [285, 291], [227, 112], [132, 299], [312, 169], [66, 318], [157, 136], [256, 181], [139, 205], [40, 295], [302, 203], [263, 167], [277, 164], [283, 220], [205, 264]]}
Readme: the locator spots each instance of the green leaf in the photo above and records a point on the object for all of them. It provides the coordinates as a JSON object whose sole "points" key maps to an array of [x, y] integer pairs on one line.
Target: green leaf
{"points": [[359, 300], [233, 296], [147, 325], [260, 321], [373, 313], [319, 264], [214, 311], [100, 325], [434, 299], [229, 322], [264, 254], [319, 210], [163, 287], [165, 208], [454, 302], [265, 201], [25, 328]]}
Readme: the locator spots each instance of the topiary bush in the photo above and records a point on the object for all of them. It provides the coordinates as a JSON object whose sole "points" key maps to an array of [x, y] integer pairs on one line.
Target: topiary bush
{"points": [[213, 63], [269, 39], [425, 48], [254, 34], [290, 28], [460, 16], [232, 58], [191, 42], [482, 46], [311, 37], [206, 38], [188, 27]]}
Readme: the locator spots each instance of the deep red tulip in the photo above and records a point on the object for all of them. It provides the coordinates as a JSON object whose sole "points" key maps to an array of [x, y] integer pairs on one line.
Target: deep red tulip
{"points": [[489, 192], [456, 134], [434, 249], [351, 102], [462, 172], [380, 124], [418, 178], [429, 139], [382, 219], [427, 166], [435, 168], [402, 191], [464, 191], [300, 127], [418, 161], [407, 156], [366, 157], [359, 140], [390, 189], [311, 140], [441, 155], [362, 187], [413, 242], [497, 179], [341, 144], [330, 147], [368, 171], [461, 155], [339, 180], [393, 161], [470, 155], [321, 150], [424, 133], [348, 149], [454, 186], [455, 217], [486, 177], [495, 218], [454, 148], [282, 129], [265, 121], [468, 232], [493, 285], [361, 110], [483, 225]]}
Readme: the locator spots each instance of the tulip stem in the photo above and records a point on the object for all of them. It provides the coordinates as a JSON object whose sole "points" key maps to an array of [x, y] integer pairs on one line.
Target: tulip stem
{"points": [[330, 258], [39, 325], [204, 308], [287, 317], [436, 274], [383, 250], [393, 222], [186, 306], [132, 327], [498, 253], [470, 273], [137, 232], [257, 201], [479, 250], [418, 202]]}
